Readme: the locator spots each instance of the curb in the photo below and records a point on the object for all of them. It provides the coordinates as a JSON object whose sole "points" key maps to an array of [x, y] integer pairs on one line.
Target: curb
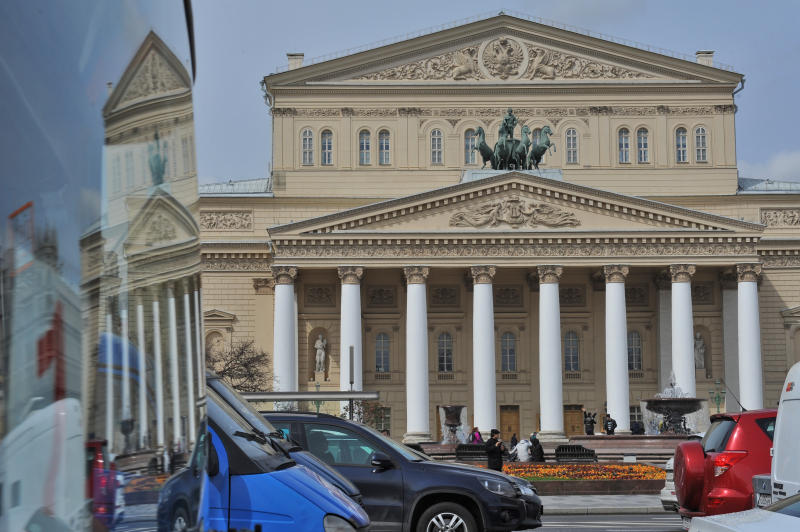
{"points": [[606, 510]]}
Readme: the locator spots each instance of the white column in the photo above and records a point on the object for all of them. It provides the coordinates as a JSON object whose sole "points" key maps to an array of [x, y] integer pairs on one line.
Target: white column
{"points": [[126, 371], [187, 326], [417, 396], [617, 386], [109, 381], [730, 337], [484, 380], [285, 335], [350, 321], [199, 342], [158, 369], [750, 378], [550, 360], [141, 362], [683, 328], [663, 283], [173, 367]]}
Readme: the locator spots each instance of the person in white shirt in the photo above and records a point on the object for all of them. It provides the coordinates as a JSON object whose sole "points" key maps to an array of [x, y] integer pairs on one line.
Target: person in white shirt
{"points": [[523, 450]]}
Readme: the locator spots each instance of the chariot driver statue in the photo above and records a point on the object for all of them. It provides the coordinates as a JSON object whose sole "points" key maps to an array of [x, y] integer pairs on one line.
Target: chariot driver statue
{"points": [[505, 135]]}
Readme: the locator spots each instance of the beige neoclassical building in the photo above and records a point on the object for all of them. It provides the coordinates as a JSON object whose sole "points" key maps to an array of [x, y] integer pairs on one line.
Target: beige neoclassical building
{"points": [[633, 254]]}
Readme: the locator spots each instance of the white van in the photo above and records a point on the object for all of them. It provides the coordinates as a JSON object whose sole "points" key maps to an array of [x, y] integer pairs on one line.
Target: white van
{"points": [[784, 480]]}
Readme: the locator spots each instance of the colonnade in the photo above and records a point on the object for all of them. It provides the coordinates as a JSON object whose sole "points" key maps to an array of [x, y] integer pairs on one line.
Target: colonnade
{"points": [[550, 352]]}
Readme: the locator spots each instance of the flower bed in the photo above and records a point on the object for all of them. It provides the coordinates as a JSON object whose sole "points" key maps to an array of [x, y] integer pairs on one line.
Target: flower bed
{"points": [[597, 471]]}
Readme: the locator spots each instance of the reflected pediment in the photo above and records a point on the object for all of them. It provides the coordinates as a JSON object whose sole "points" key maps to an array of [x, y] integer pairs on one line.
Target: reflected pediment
{"points": [[161, 222]]}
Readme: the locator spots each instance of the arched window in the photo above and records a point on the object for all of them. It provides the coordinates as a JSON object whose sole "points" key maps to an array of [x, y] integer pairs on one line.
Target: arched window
{"points": [[469, 146], [572, 352], [384, 147], [382, 353], [436, 146], [508, 350], [642, 146], [700, 145], [363, 147], [445, 351], [535, 135], [308, 146], [634, 351], [327, 147], [572, 146], [680, 145], [624, 145]]}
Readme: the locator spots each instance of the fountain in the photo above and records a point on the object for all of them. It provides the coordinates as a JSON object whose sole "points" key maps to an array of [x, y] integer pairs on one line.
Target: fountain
{"points": [[675, 407], [453, 424]]}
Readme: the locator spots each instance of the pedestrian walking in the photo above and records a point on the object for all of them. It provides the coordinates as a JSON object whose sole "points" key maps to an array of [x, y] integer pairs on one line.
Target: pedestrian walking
{"points": [[610, 425], [537, 451], [475, 436], [494, 451]]}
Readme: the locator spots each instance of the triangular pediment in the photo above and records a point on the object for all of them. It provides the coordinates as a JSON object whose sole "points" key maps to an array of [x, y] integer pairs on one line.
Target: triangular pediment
{"points": [[791, 313], [160, 225], [518, 204], [218, 315], [153, 74], [503, 49]]}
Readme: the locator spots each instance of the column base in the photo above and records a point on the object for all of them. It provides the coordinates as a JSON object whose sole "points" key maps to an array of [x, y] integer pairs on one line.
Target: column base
{"points": [[416, 437], [552, 436]]}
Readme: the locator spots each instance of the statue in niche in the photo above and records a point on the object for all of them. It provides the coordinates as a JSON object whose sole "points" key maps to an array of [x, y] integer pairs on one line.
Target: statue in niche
{"points": [[320, 346], [699, 351]]}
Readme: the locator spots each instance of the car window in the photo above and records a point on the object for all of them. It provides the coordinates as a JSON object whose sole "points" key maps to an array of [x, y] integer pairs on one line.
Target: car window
{"points": [[717, 435], [338, 446], [284, 427], [767, 424]]}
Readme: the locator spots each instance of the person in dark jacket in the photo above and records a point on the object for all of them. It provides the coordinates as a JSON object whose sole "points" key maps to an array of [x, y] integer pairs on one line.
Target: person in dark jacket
{"points": [[537, 451], [610, 425], [494, 451], [589, 421], [514, 441]]}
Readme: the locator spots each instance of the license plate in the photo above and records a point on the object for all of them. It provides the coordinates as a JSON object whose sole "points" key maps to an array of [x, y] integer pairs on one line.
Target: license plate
{"points": [[764, 499], [686, 522]]}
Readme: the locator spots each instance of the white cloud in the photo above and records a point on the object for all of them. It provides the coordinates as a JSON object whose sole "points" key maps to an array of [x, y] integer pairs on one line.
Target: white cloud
{"points": [[783, 166]]}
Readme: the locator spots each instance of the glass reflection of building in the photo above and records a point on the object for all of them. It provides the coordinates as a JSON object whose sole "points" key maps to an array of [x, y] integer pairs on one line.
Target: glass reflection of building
{"points": [[141, 269]]}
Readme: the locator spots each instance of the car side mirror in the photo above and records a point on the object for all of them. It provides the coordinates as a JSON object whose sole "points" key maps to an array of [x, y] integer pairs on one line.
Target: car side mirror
{"points": [[212, 465], [378, 460]]}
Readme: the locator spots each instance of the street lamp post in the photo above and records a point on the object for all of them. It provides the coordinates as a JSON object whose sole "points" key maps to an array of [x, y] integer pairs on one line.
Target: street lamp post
{"points": [[317, 402], [717, 395]]}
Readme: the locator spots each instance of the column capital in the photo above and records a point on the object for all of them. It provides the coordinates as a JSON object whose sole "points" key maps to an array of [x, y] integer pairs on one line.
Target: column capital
{"points": [[351, 274], [482, 274], [663, 280], [615, 273], [284, 274], [260, 283], [748, 272], [728, 279], [681, 273], [549, 273], [416, 274]]}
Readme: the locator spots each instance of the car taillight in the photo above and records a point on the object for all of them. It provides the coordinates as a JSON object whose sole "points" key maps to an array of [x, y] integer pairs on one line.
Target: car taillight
{"points": [[725, 460]]}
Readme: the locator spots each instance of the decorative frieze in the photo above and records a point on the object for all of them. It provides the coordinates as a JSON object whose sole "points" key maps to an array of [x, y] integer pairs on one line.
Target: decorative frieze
{"points": [[783, 260], [233, 264], [748, 272], [549, 273], [319, 296], [381, 296], [351, 274], [508, 295], [226, 220], [572, 295], [483, 274], [681, 273], [637, 295], [702, 293], [416, 274], [160, 229], [615, 273], [780, 217], [262, 284], [445, 296], [284, 274], [516, 213]]}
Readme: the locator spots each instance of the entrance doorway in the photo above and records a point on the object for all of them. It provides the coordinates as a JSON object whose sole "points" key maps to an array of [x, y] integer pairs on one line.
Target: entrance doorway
{"points": [[509, 421], [573, 420]]}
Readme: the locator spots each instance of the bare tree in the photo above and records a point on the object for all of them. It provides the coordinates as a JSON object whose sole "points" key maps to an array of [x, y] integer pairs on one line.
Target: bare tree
{"points": [[243, 365]]}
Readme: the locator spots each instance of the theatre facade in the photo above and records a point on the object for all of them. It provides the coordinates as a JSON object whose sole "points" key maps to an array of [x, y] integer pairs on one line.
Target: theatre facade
{"points": [[633, 256]]}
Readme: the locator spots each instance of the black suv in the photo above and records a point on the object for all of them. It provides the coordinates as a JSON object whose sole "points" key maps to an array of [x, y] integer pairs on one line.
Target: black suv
{"points": [[406, 490]]}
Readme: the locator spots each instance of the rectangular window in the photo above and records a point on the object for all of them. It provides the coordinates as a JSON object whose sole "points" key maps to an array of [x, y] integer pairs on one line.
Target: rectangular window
{"points": [[701, 149], [642, 146], [624, 147], [327, 148], [436, 147], [680, 146], [363, 148], [572, 146], [383, 148]]}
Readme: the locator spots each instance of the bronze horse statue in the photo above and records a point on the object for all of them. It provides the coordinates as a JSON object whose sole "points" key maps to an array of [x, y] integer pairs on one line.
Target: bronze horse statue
{"points": [[487, 154], [540, 147]]}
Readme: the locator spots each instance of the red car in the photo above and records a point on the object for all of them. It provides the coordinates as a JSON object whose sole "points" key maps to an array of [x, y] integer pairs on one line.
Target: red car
{"points": [[715, 475]]}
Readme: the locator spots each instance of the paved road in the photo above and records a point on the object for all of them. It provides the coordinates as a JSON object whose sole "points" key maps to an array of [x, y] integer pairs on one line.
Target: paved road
{"points": [[614, 523]]}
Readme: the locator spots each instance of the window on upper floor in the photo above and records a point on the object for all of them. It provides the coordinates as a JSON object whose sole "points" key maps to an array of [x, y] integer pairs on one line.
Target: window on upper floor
{"points": [[363, 148], [642, 146], [308, 146], [469, 146], [508, 352], [572, 352], [680, 145], [572, 146], [445, 352], [382, 353], [624, 145], [634, 351], [384, 147], [436, 147], [327, 147], [700, 145]]}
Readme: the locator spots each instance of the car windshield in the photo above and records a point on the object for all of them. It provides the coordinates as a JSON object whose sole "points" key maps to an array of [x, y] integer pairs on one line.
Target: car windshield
{"points": [[407, 453], [716, 437], [242, 406], [788, 506]]}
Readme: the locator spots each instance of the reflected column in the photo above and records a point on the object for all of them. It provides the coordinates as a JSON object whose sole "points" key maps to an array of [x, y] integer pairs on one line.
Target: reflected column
{"points": [[158, 373], [141, 362], [109, 378], [187, 327], [173, 366], [201, 351]]}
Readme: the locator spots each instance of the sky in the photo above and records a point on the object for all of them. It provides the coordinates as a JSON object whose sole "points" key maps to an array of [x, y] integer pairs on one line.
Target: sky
{"points": [[238, 43]]}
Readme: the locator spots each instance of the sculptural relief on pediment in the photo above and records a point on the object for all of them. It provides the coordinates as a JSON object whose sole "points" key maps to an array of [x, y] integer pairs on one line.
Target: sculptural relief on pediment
{"points": [[153, 77], [505, 58], [516, 213]]}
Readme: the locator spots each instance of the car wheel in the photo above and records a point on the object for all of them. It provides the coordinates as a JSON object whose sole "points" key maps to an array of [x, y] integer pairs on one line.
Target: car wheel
{"points": [[180, 520], [446, 517]]}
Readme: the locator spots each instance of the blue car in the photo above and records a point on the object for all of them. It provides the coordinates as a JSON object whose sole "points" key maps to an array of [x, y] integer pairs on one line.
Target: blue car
{"points": [[248, 483]]}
